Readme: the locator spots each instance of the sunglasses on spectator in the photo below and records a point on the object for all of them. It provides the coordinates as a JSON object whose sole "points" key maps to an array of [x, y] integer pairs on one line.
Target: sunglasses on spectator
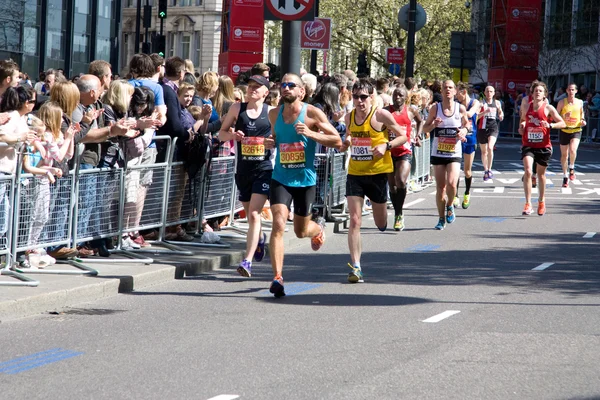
{"points": [[290, 85], [363, 97]]}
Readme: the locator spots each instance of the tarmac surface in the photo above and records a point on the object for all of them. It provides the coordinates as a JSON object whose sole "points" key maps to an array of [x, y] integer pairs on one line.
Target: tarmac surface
{"points": [[496, 306]]}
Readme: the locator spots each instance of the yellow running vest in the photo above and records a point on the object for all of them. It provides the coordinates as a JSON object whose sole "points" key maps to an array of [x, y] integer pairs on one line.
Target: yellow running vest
{"points": [[573, 121], [364, 137]]}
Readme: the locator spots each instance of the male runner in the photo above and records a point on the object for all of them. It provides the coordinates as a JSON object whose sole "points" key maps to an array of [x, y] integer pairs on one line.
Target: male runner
{"points": [[254, 168], [571, 109], [468, 147], [535, 129], [296, 129], [448, 120], [401, 155], [370, 164], [488, 129], [523, 106]]}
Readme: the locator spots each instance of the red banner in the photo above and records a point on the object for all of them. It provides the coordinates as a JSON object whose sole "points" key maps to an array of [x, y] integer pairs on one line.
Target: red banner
{"points": [[395, 55], [316, 34], [511, 80], [244, 26], [234, 63]]}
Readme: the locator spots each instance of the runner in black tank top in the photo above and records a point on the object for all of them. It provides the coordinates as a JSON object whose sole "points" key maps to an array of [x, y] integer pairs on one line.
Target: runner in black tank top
{"points": [[487, 131], [254, 168]]}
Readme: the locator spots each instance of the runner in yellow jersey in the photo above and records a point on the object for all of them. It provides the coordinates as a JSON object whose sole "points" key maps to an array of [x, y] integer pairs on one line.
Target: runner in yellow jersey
{"points": [[370, 163], [571, 110]]}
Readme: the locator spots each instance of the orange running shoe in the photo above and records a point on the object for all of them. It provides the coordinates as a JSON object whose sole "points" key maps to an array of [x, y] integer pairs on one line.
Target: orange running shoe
{"points": [[541, 208], [528, 209], [317, 242]]}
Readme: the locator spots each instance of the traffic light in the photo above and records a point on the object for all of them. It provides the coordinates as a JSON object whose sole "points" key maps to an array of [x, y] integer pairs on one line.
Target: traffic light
{"points": [[162, 9], [160, 45]]}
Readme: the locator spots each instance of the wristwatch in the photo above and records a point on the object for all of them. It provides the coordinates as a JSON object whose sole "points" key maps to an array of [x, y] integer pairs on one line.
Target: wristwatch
{"points": [[389, 146]]}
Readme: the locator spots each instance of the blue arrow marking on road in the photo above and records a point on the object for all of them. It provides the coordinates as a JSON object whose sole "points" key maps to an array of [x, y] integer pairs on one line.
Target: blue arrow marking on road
{"points": [[21, 364], [493, 219], [294, 288], [423, 248]]}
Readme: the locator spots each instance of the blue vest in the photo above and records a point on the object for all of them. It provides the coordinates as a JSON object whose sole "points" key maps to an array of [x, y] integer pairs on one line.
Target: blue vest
{"points": [[295, 159]]}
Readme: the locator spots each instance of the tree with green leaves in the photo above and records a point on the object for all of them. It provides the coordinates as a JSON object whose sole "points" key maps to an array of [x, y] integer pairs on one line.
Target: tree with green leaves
{"points": [[373, 25]]}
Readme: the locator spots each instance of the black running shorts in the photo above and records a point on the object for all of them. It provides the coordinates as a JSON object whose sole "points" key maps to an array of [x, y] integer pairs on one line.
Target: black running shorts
{"points": [[540, 156], [303, 197], [372, 186], [565, 138], [256, 182]]}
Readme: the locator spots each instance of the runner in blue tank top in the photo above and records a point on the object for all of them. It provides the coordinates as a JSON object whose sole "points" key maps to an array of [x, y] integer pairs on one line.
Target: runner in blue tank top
{"points": [[468, 148], [296, 129]]}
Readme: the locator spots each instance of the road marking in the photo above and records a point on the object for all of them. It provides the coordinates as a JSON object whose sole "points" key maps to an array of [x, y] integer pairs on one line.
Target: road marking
{"points": [[412, 203], [423, 248], [26, 363], [439, 317], [508, 181], [589, 235], [294, 288], [542, 267], [225, 397], [493, 219]]}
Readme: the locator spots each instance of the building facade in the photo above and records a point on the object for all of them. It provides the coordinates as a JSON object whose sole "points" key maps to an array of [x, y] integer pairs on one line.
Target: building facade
{"points": [[65, 34], [192, 29], [570, 48]]}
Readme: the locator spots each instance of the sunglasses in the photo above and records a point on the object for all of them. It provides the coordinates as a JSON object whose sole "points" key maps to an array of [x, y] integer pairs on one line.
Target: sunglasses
{"points": [[290, 85], [363, 97]]}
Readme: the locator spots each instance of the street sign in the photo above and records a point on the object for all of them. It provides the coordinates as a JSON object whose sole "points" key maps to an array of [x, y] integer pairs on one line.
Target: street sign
{"points": [[394, 55], [394, 69], [420, 17], [290, 10], [316, 34], [463, 46]]}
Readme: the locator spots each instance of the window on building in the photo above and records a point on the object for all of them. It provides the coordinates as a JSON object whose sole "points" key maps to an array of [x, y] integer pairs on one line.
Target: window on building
{"points": [[559, 24], [198, 49], [171, 44], [587, 17], [105, 28], [185, 46]]}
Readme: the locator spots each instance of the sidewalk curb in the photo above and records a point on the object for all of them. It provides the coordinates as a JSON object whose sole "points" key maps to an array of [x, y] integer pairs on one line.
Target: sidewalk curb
{"points": [[57, 292]]}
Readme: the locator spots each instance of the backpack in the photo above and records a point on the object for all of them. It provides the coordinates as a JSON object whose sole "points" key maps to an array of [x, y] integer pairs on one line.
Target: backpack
{"points": [[197, 161]]}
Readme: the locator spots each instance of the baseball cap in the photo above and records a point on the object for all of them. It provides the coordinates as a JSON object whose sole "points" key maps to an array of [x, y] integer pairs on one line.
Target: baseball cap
{"points": [[260, 80]]}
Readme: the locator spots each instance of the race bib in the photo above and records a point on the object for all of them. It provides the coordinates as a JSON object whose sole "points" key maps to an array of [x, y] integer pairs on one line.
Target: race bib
{"points": [[446, 145], [535, 135], [253, 148], [291, 155], [362, 149]]}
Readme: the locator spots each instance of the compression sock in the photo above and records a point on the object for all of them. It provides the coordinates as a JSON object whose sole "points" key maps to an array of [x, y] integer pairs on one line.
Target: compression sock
{"points": [[467, 185]]}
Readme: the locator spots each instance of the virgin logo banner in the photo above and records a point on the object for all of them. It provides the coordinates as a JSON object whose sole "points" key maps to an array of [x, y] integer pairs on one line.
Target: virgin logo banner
{"points": [[316, 34]]}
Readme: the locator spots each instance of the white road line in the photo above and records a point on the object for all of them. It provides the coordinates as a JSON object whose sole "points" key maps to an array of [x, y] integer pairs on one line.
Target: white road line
{"points": [[225, 397], [542, 267], [589, 235], [412, 203], [439, 317]]}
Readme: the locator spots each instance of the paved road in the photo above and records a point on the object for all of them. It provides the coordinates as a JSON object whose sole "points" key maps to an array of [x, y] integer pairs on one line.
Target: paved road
{"points": [[497, 306]]}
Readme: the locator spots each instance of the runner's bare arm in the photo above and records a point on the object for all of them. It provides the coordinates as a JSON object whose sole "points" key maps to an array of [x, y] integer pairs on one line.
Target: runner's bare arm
{"points": [[558, 123], [430, 123], [228, 122], [583, 123], [270, 141], [464, 124], [348, 137], [319, 129], [385, 117], [500, 112], [474, 108], [523, 113], [559, 107], [417, 118]]}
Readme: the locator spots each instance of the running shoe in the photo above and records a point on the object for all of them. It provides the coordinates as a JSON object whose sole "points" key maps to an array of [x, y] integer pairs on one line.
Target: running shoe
{"points": [[486, 176], [356, 276], [441, 224], [541, 208], [533, 182], [466, 201], [450, 217], [245, 269], [456, 202], [277, 287], [317, 242], [528, 209], [399, 223], [565, 182], [490, 175], [572, 174], [259, 253]]}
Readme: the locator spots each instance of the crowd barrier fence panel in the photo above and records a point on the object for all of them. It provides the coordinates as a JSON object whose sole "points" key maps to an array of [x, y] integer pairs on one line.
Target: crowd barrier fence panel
{"points": [[218, 192], [32, 199], [7, 197]]}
